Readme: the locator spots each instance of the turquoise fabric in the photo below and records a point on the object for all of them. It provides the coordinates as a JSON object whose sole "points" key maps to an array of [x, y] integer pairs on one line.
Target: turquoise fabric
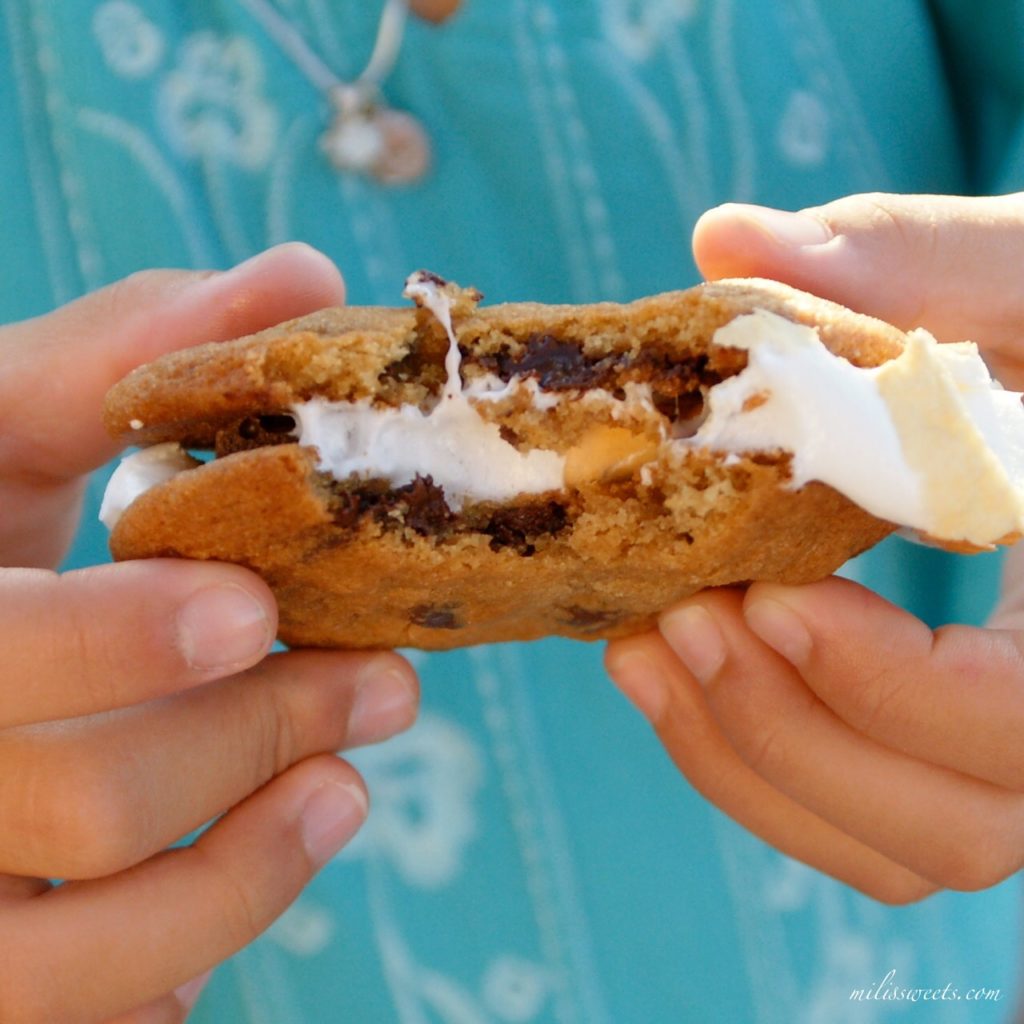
{"points": [[531, 856]]}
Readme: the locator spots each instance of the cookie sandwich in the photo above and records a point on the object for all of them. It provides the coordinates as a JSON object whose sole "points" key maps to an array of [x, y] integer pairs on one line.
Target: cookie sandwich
{"points": [[449, 474]]}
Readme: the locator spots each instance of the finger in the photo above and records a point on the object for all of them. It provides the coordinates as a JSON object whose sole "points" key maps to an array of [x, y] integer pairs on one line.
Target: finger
{"points": [[170, 1009], [1009, 613], [115, 635], [158, 926], [55, 369], [15, 888], [954, 830], [90, 797], [654, 678], [954, 697], [946, 263]]}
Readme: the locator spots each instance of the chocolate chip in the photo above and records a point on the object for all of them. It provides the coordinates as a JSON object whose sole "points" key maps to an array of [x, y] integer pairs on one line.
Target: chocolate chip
{"points": [[435, 616], [429, 277], [349, 506], [518, 527], [277, 423], [590, 620], [259, 431], [557, 365], [421, 506], [425, 508]]}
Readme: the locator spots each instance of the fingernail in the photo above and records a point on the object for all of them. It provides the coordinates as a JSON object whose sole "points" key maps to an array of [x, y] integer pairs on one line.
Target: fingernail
{"points": [[222, 627], [798, 229], [385, 702], [330, 818], [642, 681], [694, 635], [189, 993], [780, 628]]}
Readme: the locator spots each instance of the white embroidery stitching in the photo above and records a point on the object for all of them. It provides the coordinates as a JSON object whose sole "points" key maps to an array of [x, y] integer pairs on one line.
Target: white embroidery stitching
{"points": [[212, 105], [132, 46]]}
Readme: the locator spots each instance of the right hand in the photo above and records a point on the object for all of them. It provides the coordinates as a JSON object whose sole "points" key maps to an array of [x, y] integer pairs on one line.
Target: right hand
{"points": [[831, 723], [137, 701]]}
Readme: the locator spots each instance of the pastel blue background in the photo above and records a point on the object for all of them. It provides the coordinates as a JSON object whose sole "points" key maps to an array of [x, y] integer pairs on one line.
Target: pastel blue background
{"points": [[532, 855]]}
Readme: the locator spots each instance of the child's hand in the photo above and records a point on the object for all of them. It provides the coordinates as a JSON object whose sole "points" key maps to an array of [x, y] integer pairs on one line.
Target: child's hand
{"points": [[137, 701], [834, 725], [843, 731]]}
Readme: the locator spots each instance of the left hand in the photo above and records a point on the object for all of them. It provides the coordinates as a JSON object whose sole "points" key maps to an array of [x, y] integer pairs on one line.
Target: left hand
{"points": [[136, 700], [836, 726]]}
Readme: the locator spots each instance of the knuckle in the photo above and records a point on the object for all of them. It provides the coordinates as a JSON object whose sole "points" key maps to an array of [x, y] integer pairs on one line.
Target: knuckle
{"points": [[121, 302], [967, 654], [295, 708], [878, 699], [95, 839], [87, 654], [266, 728], [122, 298], [764, 749], [763, 737], [79, 820], [241, 913]]}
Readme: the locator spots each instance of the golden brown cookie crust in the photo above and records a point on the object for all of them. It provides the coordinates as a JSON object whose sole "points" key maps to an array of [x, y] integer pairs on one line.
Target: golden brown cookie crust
{"points": [[354, 567]]}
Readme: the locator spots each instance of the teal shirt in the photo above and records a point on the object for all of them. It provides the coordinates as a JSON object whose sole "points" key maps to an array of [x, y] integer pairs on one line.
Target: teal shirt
{"points": [[532, 855]]}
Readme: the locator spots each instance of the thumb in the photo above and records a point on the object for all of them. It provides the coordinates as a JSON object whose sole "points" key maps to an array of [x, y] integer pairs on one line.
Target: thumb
{"points": [[56, 369], [950, 264]]}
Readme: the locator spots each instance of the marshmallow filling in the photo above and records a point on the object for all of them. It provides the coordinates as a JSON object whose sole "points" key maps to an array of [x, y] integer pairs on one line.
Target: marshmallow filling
{"points": [[553, 370]]}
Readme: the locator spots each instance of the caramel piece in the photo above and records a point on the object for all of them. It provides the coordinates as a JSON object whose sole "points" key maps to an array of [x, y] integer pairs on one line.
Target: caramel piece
{"points": [[606, 454]]}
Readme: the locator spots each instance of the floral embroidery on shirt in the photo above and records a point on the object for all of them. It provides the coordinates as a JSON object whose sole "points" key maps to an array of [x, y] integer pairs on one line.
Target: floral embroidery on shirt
{"points": [[803, 133], [304, 929], [638, 27], [131, 44], [515, 989], [212, 104], [423, 787]]}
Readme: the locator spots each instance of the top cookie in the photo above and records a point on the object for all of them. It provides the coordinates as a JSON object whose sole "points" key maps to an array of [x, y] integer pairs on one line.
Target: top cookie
{"points": [[397, 355]]}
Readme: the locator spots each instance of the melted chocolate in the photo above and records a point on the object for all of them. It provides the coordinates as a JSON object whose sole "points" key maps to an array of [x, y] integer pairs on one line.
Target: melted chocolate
{"points": [[520, 526], [430, 277], [557, 365], [255, 432], [424, 506], [419, 505], [436, 616]]}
